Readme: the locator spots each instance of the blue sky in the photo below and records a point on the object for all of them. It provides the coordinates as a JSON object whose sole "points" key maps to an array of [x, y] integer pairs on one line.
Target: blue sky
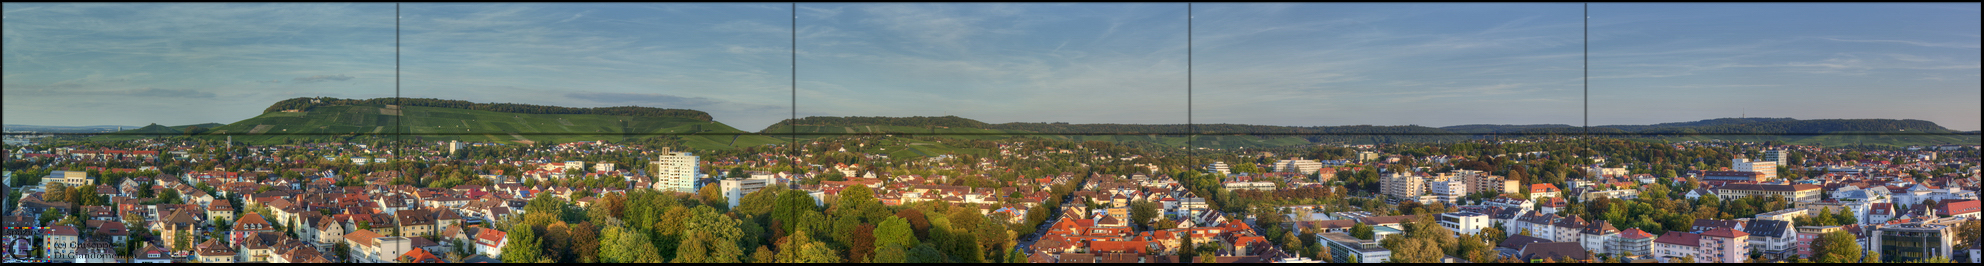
{"points": [[1276, 64]]}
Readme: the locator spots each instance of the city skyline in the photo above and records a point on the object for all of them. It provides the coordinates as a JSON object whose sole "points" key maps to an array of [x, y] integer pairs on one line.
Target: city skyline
{"points": [[1268, 64]]}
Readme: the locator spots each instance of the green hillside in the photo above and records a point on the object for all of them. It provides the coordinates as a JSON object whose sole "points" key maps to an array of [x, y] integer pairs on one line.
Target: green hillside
{"points": [[1227, 136], [472, 126]]}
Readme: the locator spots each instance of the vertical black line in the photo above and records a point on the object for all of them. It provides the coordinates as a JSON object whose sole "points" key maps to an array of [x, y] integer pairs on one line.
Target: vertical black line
{"points": [[399, 121], [1587, 77], [793, 127], [1191, 130]]}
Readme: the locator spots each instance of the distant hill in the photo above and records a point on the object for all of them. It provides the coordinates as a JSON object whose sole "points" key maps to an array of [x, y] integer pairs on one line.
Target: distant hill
{"points": [[1828, 131], [339, 118], [307, 104], [65, 129]]}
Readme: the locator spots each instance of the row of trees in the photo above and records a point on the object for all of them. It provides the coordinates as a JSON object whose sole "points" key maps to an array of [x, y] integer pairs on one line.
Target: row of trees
{"points": [[307, 103]]}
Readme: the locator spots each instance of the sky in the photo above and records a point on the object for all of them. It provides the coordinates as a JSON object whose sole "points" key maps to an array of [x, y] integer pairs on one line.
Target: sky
{"points": [[1309, 64]]}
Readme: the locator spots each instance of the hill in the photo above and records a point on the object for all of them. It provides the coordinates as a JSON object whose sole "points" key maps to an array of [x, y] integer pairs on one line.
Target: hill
{"points": [[356, 119], [1804, 132]]}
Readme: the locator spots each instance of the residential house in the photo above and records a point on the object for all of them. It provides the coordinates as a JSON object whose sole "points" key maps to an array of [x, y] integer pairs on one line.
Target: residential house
{"points": [[1774, 238]]}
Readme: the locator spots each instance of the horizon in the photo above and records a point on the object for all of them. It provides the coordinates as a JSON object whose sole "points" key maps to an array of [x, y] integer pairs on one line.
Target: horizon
{"points": [[1344, 125], [1298, 65]]}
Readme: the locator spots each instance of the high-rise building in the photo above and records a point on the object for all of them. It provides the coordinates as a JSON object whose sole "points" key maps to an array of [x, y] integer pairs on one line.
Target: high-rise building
{"points": [[1778, 156], [1402, 186], [1740, 164], [675, 171]]}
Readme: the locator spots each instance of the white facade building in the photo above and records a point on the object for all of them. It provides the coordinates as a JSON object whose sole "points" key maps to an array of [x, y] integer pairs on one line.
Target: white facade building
{"points": [[675, 171]]}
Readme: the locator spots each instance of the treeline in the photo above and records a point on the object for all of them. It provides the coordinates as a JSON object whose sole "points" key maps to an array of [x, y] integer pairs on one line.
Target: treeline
{"points": [[913, 121], [306, 104], [1786, 125]]}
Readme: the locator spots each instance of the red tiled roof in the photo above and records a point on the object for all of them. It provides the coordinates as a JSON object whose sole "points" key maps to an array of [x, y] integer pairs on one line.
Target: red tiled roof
{"points": [[1535, 188], [1950, 207], [1725, 232], [1680, 238], [1634, 233]]}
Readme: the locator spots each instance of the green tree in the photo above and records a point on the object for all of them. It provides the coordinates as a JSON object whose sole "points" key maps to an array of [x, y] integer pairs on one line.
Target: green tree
{"points": [[891, 253], [1845, 218], [1836, 247], [1142, 212], [713, 196], [622, 245], [713, 238], [1362, 231], [764, 255], [926, 253], [523, 246], [800, 248], [851, 199], [894, 230]]}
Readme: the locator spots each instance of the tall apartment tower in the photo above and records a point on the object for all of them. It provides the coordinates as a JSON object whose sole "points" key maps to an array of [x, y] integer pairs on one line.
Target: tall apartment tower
{"points": [[675, 171], [1779, 156], [1402, 186], [1740, 164]]}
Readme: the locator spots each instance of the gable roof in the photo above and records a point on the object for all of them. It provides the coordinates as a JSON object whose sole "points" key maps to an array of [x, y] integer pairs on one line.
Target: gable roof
{"points": [[253, 222], [1554, 250], [1679, 238], [1516, 242], [1767, 228], [1724, 232]]}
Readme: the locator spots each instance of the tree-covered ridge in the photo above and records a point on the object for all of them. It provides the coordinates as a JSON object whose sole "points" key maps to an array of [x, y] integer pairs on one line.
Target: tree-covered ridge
{"points": [[307, 103], [1787, 125], [913, 121], [1720, 125]]}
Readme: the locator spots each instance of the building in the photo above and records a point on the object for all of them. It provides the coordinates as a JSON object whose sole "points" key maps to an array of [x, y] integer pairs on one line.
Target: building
{"points": [[1306, 167], [1807, 234], [1366, 156], [1732, 176], [416, 222], [1464, 222], [213, 251], [734, 189], [675, 171], [490, 242], [1219, 168], [1724, 245], [1799, 192], [369, 247], [1402, 186], [1599, 237], [61, 242], [1346, 249], [1450, 191], [1768, 169], [249, 224], [1916, 240], [1553, 251], [70, 178], [1632, 241], [1780, 157], [1675, 245], [1479, 183], [1775, 239], [1955, 208], [1538, 191]]}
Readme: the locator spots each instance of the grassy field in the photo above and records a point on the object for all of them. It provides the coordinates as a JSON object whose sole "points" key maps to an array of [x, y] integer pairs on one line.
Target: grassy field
{"points": [[474, 126]]}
